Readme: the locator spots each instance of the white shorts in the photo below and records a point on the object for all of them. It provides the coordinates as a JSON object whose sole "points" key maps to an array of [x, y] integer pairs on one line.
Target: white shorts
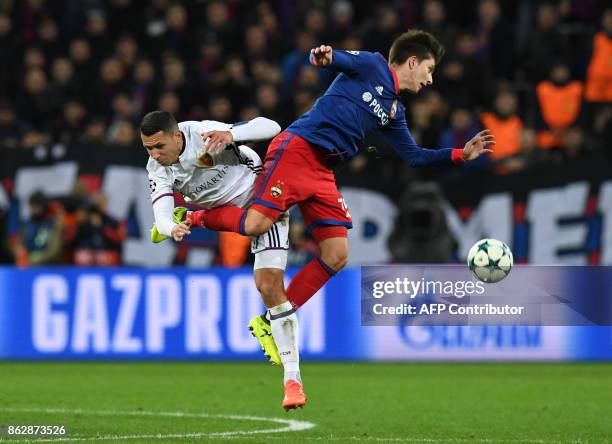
{"points": [[271, 248]]}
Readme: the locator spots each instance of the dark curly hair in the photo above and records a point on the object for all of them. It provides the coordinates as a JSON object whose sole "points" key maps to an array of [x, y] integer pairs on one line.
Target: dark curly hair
{"points": [[415, 43]]}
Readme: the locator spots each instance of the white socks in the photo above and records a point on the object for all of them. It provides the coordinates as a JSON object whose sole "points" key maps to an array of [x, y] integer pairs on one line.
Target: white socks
{"points": [[284, 325]]}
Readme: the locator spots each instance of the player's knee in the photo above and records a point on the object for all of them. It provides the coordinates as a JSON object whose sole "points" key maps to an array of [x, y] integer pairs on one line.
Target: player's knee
{"points": [[336, 258], [257, 224]]}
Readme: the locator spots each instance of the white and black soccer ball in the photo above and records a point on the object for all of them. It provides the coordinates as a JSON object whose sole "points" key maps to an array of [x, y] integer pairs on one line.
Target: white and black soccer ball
{"points": [[490, 260]]}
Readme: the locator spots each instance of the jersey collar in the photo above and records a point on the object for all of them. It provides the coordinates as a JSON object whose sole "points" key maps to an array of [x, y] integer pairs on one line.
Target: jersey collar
{"points": [[395, 80]]}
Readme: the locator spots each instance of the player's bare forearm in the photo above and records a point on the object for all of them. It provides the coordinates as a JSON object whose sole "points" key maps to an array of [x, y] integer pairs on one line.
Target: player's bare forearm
{"points": [[321, 55]]}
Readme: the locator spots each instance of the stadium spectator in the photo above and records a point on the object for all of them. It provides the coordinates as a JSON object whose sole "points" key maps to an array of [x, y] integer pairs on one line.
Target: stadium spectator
{"points": [[544, 45], [220, 109], [379, 35], [72, 123], [462, 128], [233, 249], [123, 133], [599, 75], [9, 48], [10, 132], [504, 124], [219, 25], [63, 81], [99, 237], [38, 103], [236, 82], [96, 32], [434, 22], [95, 131], [294, 60], [40, 238], [144, 91], [110, 83], [175, 80], [126, 51], [559, 101], [49, 38], [494, 39], [84, 65], [420, 233], [342, 24], [477, 75]]}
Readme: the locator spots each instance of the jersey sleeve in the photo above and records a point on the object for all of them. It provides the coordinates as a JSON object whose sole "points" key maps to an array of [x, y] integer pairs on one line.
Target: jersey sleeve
{"points": [[402, 141], [160, 185], [213, 125], [349, 62], [162, 197]]}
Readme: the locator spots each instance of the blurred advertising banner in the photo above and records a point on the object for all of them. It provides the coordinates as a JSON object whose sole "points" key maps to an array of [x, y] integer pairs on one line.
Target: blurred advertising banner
{"points": [[190, 314], [549, 214]]}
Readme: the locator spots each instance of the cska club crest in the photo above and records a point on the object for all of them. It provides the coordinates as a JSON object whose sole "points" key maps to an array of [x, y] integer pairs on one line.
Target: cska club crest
{"points": [[393, 111], [205, 160], [277, 189]]}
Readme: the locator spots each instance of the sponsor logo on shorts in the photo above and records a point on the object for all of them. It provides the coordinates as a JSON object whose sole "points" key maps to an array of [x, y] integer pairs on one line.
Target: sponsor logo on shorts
{"points": [[366, 96], [353, 52], [276, 190]]}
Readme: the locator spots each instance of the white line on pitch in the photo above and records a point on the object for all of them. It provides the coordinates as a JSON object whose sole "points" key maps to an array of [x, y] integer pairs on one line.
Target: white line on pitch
{"points": [[290, 425]]}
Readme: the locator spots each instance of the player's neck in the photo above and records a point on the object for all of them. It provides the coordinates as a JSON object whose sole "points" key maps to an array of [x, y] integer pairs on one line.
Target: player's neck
{"points": [[183, 143]]}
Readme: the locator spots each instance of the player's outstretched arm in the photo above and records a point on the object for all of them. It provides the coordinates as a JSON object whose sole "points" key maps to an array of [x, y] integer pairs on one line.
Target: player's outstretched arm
{"points": [[260, 128], [479, 144]]}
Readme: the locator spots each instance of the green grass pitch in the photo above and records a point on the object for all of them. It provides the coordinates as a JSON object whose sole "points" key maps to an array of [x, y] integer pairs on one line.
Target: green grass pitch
{"points": [[348, 402]]}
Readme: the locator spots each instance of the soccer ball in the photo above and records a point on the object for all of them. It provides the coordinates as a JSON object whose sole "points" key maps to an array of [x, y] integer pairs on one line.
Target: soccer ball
{"points": [[490, 260]]}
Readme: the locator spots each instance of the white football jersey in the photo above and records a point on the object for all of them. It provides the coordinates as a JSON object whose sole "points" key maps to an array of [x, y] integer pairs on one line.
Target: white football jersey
{"points": [[208, 180]]}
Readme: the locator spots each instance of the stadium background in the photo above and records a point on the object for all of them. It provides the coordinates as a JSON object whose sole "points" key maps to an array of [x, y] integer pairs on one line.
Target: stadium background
{"points": [[80, 281]]}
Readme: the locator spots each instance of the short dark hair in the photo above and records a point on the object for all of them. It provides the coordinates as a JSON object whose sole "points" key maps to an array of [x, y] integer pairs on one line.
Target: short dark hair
{"points": [[415, 43], [156, 121]]}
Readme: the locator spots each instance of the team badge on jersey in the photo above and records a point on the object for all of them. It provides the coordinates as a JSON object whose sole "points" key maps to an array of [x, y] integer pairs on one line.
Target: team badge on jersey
{"points": [[277, 189], [205, 160], [393, 111]]}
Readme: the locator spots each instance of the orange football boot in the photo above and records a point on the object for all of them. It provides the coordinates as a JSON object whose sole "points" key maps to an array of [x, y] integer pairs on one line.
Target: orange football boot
{"points": [[294, 395]]}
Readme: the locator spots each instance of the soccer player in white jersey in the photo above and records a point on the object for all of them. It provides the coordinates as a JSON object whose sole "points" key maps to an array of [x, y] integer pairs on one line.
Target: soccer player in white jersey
{"points": [[224, 174]]}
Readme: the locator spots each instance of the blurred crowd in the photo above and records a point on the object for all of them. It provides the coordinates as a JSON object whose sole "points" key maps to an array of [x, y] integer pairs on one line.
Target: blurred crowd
{"points": [[537, 73]]}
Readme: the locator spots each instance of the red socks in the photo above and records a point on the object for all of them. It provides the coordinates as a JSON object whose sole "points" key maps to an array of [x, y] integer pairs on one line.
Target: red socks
{"points": [[220, 219], [308, 281]]}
